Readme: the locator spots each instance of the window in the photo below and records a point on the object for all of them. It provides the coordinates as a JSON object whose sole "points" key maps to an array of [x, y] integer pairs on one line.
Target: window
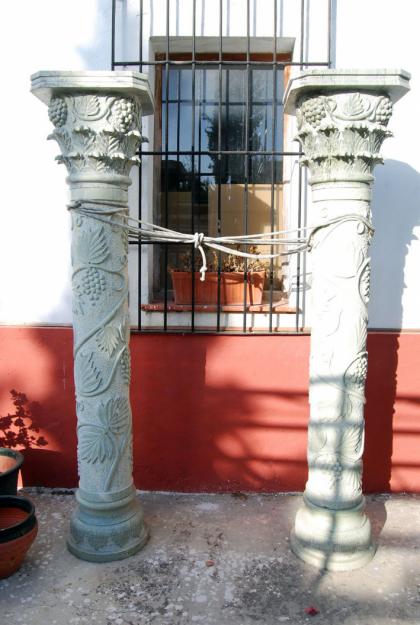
{"points": [[214, 162], [218, 163]]}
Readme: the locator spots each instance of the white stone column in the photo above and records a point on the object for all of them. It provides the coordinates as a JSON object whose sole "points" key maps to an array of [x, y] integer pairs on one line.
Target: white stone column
{"points": [[97, 122], [342, 118]]}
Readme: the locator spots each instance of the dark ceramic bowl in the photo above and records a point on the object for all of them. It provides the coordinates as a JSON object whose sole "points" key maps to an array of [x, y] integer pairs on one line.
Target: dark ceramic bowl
{"points": [[18, 529], [17, 517]]}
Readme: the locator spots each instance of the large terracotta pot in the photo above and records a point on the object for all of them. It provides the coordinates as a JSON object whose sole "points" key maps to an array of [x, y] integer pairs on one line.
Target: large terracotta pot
{"points": [[18, 529], [231, 288]]}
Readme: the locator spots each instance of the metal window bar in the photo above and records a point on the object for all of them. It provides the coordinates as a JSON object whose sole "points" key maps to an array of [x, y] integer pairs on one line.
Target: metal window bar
{"points": [[221, 162], [193, 97], [221, 64], [273, 168], [247, 157], [140, 183]]}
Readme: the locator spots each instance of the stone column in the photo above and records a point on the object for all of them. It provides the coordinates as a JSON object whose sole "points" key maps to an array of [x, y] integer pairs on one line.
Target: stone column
{"points": [[96, 118], [342, 119]]}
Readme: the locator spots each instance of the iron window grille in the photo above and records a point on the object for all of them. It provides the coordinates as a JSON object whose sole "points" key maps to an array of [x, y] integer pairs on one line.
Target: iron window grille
{"points": [[181, 166]]}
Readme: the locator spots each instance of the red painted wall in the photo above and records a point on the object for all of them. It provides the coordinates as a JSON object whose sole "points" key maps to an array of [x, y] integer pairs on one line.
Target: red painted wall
{"points": [[215, 413]]}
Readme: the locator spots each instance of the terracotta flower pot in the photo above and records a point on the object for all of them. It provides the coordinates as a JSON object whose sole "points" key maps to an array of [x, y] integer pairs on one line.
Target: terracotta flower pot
{"points": [[231, 288], [18, 529], [10, 463]]}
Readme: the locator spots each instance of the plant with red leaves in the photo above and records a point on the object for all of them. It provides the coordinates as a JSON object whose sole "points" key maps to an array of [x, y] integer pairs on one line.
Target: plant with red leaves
{"points": [[20, 429]]}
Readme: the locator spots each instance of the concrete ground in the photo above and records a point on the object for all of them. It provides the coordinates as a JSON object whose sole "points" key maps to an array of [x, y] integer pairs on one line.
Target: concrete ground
{"points": [[216, 560]]}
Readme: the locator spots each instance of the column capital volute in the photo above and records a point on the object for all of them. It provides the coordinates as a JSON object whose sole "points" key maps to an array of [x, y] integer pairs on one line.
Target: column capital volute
{"points": [[342, 118]]}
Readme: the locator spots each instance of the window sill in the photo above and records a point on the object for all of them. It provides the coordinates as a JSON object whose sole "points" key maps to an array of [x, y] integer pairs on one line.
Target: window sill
{"points": [[279, 306]]}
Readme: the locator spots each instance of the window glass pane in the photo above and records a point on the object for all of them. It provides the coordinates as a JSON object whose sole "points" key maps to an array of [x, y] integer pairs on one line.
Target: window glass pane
{"points": [[186, 84], [235, 86], [208, 85], [222, 193]]}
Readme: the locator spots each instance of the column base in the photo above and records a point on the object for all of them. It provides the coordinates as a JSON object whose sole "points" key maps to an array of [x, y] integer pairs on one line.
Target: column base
{"points": [[107, 531], [334, 540]]}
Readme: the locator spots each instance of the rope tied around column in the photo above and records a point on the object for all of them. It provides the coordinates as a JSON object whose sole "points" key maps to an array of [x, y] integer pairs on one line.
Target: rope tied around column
{"points": [[104, 211]]}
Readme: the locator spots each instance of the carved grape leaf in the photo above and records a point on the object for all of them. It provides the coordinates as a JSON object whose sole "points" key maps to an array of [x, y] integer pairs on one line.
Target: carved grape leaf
{"points": [[97, 441], [93, 246], [88, 375], [108, 339], [114, 415], [354, 105], [87, 107]]}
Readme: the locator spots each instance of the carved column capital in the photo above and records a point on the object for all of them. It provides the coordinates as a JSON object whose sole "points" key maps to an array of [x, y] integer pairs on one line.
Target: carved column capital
{"points": [[97, 133], [341, 133]]}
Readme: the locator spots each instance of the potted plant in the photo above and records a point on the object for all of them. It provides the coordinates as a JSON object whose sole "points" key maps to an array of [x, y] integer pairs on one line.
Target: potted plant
{"points": [[233, 272]]}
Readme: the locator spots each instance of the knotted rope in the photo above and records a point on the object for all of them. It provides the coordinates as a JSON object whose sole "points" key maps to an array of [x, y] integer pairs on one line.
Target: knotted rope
{"points": [[105, 210]]}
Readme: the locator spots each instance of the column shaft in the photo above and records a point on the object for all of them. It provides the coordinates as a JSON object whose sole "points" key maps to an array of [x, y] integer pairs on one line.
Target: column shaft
{"points": [[96, 118], [341, 131]]}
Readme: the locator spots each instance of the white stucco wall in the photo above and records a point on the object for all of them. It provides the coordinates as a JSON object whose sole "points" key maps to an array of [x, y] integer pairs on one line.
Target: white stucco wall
{"points": [[76, 34]]}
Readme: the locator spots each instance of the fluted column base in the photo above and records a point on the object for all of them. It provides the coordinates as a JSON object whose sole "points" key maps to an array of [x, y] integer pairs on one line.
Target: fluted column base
{"points": [[334, 540], [104, 530]]}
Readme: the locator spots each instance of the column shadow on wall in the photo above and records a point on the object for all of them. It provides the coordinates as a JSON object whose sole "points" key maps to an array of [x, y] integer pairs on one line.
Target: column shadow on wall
{"points": [[396, 212]]}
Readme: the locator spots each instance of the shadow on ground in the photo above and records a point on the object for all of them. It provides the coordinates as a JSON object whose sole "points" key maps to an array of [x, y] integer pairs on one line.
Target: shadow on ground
{"points": [[217, 560]]}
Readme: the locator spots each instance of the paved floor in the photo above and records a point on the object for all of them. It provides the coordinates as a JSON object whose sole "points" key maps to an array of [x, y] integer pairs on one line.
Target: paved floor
{"points": [[216, 560]]}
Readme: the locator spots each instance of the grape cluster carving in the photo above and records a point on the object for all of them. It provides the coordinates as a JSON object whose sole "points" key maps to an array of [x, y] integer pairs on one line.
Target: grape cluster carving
{"points": [[384, 111], [94, 284], [313, 111], [57, 111], [124, 111], [356, 374]]}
